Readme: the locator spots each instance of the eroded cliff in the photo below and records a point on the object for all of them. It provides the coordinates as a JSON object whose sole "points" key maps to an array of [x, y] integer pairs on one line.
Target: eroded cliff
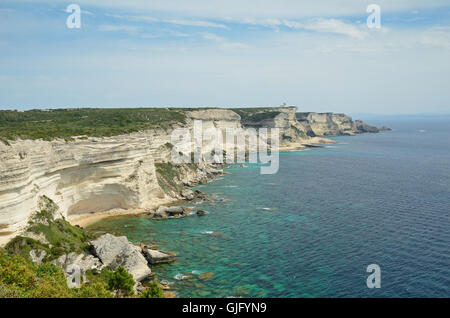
{"points": [[87, 175], [330, 124]]}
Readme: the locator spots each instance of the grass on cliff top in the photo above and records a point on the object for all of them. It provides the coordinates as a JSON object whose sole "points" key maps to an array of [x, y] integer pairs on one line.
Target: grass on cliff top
{"points": [[95, 122], [256, 114]]}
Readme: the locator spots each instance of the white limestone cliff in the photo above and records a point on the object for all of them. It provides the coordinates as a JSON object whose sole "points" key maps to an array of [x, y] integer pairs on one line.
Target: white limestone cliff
{"points": [[90, 175]]}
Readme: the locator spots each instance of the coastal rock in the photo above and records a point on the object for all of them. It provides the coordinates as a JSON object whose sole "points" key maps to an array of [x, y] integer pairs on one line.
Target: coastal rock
{"points": [[160, 212], [365, 128], [118, 251], [331, 124], [166, 211], [201, 212], [157, 257], [188, 194]]}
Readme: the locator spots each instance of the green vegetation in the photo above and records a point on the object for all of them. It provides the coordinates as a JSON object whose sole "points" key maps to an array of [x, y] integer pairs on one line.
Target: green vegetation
{"points": [[168, 145], [302, 116], [96, 122], [153, 291], [62, 237], [20, 278], [256, 114], [121, 281], [168, 174]]}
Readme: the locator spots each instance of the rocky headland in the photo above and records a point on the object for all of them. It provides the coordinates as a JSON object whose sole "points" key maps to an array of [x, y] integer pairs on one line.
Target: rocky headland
{"points": [[91, 177]]}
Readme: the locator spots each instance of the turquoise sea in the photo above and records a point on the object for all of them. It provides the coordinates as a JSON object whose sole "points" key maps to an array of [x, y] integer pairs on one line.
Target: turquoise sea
{"points": [[312, 229]]}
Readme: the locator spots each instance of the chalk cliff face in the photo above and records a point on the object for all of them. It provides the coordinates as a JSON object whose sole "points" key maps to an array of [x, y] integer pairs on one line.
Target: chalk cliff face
{"points": [[293, 135], [330, 124], [91, 175], [83, 176]]}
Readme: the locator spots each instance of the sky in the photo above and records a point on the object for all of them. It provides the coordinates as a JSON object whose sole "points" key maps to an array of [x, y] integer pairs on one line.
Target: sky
{"points": [[318, 55]]}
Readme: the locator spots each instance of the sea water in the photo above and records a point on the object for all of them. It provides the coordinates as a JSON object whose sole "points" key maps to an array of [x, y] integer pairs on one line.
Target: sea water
{"points": [[312, 229]]}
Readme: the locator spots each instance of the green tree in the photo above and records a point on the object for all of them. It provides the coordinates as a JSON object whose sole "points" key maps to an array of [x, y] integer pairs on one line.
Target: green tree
{"points": [[154, 291], [121, 281]]}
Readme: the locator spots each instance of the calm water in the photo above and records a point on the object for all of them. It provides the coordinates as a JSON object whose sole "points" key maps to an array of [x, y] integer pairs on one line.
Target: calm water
{"points": [[312, 229]]}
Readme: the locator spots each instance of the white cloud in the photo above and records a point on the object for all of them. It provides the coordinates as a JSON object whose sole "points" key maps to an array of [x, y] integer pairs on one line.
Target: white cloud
{"points": [[136, 18], [397, 71], [224, 43], [87, 12], [318, 25], [197, 23], [110, 28], [335, 26]]}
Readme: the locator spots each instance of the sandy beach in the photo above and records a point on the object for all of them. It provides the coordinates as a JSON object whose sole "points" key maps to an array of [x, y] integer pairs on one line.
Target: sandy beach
{"points": [[88, 218]]}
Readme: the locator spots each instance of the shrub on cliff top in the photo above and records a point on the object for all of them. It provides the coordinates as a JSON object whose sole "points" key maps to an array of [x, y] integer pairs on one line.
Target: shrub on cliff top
{"points": [[20, 278], [121, 281], [96, 122], [153, 291]]}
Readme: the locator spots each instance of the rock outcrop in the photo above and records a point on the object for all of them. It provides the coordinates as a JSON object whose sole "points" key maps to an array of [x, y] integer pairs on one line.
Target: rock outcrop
{"points": [[330, 124], [157, 257], [118, 251], [172, 211]]}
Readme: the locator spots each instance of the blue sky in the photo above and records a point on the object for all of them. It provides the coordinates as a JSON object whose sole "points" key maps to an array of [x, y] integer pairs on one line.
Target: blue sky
{"points": [[318, 55]]}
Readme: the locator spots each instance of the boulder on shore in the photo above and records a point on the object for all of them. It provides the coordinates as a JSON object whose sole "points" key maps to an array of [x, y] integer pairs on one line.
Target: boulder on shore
{"points": [[116, 251], [157, 257], [188, 194], [166, 211]]}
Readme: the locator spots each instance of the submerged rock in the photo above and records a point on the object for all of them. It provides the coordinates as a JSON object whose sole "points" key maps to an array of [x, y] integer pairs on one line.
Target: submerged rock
{"points": [[206, 276], [118, 251], [201, 212]]}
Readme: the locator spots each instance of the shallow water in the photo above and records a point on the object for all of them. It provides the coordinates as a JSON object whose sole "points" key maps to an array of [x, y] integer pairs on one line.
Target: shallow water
{"points": [[312, 229]]}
